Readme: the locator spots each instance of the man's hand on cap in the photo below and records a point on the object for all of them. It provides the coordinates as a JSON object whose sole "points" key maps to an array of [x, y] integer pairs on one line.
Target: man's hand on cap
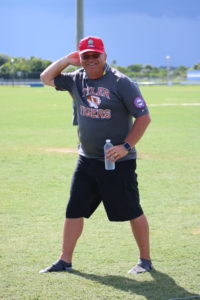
{"points": [[74, 58]]}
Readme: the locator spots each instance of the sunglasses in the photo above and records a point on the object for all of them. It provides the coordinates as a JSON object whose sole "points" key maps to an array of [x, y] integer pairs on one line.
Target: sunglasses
{"points": [[88, 56]]}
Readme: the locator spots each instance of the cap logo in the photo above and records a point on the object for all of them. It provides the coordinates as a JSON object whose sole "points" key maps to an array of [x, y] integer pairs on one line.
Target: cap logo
{"points": [[90, 43]]}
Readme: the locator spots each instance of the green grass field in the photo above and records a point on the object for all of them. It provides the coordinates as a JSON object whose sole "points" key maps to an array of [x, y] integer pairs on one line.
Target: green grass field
{"points": [[35, 126]]}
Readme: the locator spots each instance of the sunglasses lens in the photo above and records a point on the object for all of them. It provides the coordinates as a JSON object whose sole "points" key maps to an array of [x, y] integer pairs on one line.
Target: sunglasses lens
{"points": [[96, 55], [88, 56]]}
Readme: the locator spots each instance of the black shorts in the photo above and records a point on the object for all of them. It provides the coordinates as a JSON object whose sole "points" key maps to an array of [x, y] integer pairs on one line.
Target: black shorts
{"points": [[117, 189]]}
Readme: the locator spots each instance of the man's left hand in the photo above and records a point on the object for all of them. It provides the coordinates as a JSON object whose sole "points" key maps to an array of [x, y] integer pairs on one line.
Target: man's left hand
{"points": [[116, 152]]}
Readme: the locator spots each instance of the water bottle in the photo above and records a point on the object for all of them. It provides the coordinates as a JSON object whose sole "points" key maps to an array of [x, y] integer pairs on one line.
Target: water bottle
{"points": [[109, 165]]}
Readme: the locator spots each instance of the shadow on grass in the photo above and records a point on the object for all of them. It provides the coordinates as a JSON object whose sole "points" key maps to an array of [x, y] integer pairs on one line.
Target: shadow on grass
{"points": [[162, 287]]}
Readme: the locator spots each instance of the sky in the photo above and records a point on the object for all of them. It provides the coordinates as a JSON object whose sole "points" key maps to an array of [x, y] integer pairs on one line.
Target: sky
{"points": [[133, 31]]}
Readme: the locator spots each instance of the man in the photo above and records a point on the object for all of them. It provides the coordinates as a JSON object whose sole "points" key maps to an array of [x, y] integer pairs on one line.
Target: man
{"points": [[106, 102]]}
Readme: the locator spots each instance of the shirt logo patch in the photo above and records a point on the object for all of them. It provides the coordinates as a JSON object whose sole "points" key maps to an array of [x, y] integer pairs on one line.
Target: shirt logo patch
{"points": [[139, 102], [93, 101]]}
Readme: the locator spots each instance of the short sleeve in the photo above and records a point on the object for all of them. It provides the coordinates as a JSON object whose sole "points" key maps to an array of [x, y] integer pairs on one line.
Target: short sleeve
{"points": [[132, 97], [64, 82]]}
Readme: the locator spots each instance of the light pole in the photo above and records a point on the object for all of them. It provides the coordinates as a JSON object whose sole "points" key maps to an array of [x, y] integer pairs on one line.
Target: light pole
{"points": [[168, 58], [13, 70], [79, 21]]}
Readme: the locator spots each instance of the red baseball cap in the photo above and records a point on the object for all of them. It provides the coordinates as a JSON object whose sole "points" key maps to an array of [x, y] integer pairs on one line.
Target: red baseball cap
{"points": [[91, 43]]}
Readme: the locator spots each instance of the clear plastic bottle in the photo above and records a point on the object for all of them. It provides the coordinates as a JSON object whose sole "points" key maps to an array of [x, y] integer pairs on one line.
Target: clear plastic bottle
{"points": [[109, 165]]}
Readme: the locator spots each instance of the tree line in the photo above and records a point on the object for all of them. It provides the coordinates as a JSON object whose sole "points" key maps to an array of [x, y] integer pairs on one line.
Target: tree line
{"points": [[22, 68]]}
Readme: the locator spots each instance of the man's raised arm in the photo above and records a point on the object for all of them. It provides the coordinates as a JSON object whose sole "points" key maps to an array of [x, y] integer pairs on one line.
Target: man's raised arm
{"points": [[48, 75]]}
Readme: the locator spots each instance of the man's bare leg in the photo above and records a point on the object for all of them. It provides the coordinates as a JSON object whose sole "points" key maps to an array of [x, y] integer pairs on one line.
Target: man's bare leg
{"points": [[140, 229], [71, 232]]}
